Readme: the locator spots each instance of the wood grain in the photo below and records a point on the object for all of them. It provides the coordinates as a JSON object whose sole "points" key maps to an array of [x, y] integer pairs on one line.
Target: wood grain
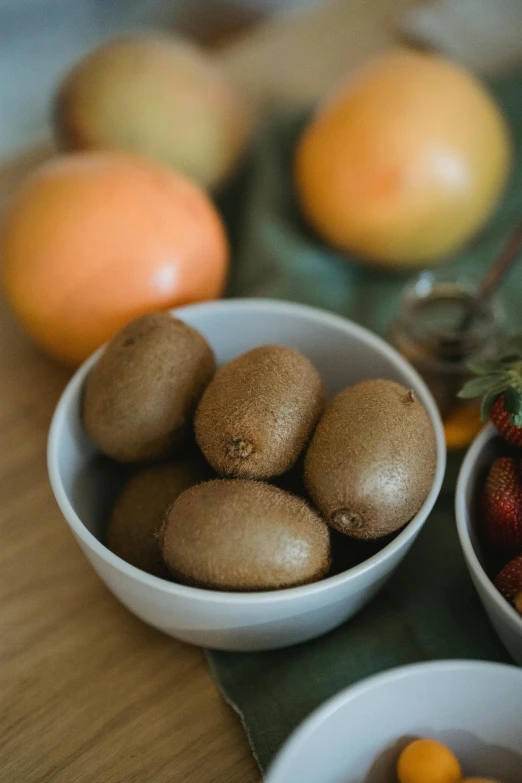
{"points": [[87, 691]]}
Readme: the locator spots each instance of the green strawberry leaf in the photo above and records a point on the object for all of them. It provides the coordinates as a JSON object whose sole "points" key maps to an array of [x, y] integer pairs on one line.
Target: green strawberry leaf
{"points": [[485, 366], [513, 401], [476, 387]]}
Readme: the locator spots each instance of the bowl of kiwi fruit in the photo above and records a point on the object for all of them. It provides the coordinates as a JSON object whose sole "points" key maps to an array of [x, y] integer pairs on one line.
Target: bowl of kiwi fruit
{"points": [[245, 474]]}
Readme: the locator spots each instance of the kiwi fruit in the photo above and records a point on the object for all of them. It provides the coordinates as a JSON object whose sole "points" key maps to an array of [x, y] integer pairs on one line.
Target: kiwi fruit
{"points": [[244, 535], [141, 394], [371, 461], [257, 414], [139, 510]]}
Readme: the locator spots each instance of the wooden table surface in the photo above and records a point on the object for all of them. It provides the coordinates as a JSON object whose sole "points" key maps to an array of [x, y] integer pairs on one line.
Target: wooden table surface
{"points": [[87, 691]]}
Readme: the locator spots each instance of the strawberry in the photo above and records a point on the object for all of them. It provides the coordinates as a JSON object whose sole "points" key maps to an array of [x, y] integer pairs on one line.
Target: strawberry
{"points": [[499, 383], [502, 507], [509, 582], [502, 419]]}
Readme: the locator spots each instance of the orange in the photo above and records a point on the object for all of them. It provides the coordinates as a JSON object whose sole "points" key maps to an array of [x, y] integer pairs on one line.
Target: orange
{"points": [[95, 239], [404, 162], [428, 761]]}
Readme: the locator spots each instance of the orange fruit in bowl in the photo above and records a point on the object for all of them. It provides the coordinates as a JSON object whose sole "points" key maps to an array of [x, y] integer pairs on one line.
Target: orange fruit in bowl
{"points": [[404, 161], [428, 761], [93, 240]]}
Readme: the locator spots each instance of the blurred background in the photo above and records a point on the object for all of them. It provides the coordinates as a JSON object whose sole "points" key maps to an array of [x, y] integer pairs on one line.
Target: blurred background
{"points": [[41, 39]]}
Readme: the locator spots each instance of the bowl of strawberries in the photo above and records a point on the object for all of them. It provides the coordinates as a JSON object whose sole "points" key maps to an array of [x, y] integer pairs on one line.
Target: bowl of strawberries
{"points": [[489, 495]]}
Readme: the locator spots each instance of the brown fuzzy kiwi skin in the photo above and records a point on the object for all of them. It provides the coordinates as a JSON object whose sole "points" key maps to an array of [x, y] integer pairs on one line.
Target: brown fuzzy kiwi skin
{"points": [[243, 536], [139, 510], [371, 462], [140, 396], [257, 414]]}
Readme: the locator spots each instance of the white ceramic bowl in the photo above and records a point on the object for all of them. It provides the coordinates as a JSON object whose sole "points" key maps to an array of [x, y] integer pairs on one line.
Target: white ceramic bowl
{"points": [[356, 737], [83, 484], [505, 619]]}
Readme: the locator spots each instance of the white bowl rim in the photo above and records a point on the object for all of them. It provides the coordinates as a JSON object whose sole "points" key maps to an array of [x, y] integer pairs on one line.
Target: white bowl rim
{"points": [[485, 435], [305, 730], [269, 596]]}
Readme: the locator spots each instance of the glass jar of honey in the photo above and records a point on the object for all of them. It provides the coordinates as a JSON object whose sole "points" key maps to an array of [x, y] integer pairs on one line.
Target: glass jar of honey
{"points": [[440, 327]]}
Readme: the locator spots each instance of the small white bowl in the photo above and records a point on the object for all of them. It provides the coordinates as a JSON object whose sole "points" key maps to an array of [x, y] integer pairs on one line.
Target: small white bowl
{"points": [[356, 737], [84, 486], [504, 617]]}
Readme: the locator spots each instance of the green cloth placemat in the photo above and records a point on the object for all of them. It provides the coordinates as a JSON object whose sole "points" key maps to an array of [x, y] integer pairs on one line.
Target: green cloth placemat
{"points": [[429, 609]]}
